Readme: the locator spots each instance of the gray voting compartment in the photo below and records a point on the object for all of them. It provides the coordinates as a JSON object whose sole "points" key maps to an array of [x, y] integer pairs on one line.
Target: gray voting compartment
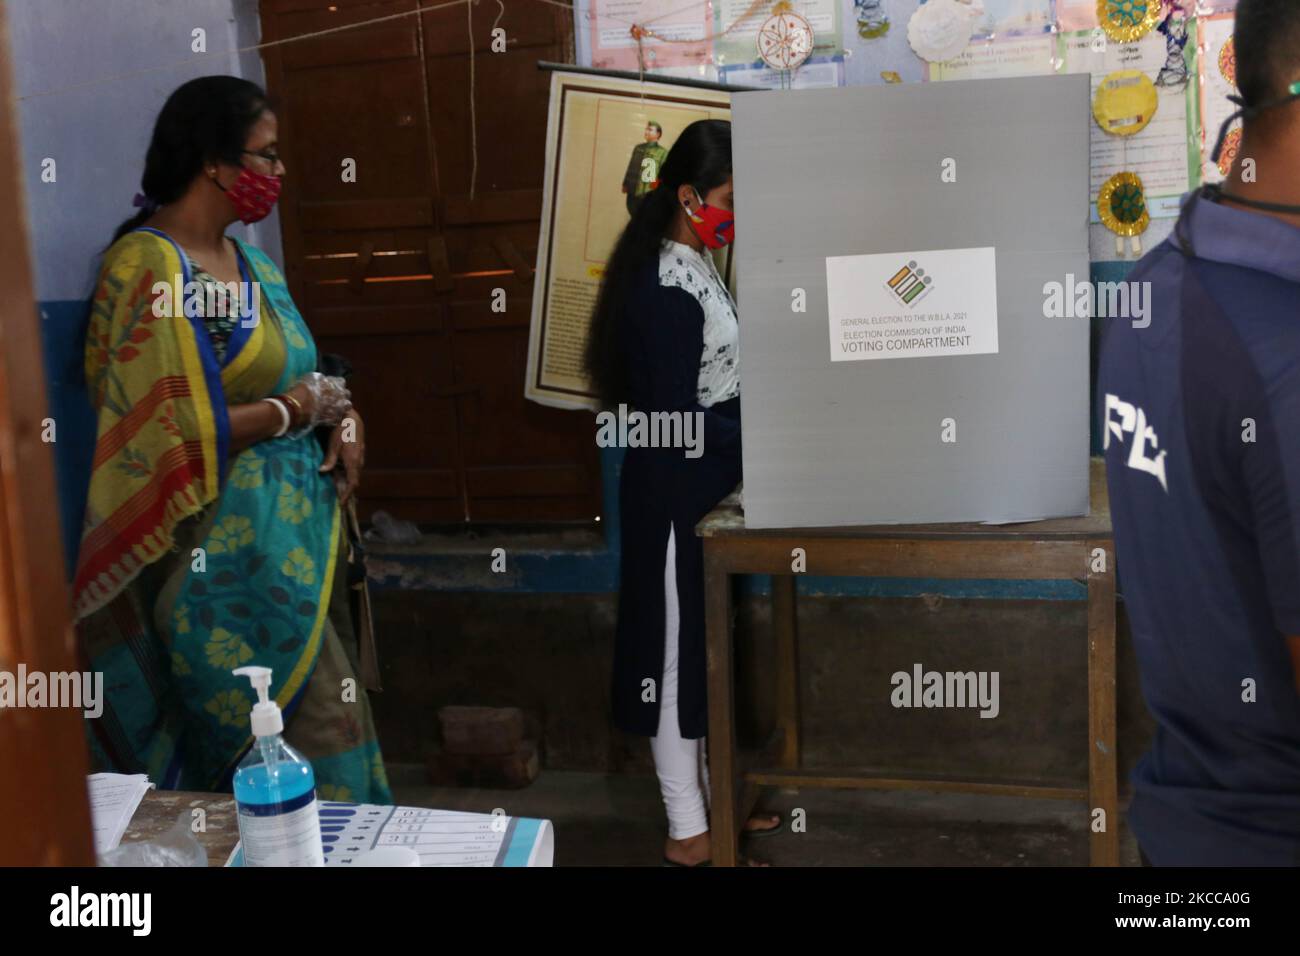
{"points": [[860, 171]]}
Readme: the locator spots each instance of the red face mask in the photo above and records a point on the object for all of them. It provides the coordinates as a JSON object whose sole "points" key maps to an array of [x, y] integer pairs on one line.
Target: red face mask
{"points": [[253, 195], [716, 227]]}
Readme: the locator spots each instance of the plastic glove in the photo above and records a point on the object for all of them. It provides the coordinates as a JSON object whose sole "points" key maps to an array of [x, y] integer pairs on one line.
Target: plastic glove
{"points": [[176, 847], [330, 399]]}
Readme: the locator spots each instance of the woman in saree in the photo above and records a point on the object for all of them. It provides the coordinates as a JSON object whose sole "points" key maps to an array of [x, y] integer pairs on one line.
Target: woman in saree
{"points": [[213, 532]]}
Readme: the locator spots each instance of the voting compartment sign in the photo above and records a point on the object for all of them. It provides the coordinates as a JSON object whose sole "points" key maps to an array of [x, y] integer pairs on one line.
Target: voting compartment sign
{"points": [[912, 304]]}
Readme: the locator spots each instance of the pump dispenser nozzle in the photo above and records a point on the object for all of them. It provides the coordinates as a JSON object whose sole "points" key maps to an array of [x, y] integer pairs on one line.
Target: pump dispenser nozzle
{"points": [[266, 717]]}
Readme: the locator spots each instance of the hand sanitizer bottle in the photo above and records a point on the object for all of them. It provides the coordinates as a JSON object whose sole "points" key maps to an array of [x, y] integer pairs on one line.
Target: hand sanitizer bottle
{"points": [[275, 790]]}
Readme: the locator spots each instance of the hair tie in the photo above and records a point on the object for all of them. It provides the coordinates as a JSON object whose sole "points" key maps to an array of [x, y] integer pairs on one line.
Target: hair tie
{"points": [[144, 202]]}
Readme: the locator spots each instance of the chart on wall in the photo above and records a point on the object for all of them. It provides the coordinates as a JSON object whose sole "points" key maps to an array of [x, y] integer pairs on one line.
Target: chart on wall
{"points": [[1218, 81], [1139, 169], [606, 139]]}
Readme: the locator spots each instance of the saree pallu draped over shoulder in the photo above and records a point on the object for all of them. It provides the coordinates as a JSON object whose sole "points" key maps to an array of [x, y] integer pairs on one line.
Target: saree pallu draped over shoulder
{"points": [[193, 563]]}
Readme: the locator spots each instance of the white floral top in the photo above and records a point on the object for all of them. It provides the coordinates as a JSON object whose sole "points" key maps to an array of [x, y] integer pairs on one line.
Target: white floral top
{"points": [[683, 267]]}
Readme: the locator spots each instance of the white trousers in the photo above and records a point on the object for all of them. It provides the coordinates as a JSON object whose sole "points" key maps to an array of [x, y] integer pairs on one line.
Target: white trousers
{"points": [[682, 765]]}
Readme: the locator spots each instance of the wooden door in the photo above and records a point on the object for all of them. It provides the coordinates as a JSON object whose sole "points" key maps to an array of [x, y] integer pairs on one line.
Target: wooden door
{"points": [[398, 269], [43, 757]]}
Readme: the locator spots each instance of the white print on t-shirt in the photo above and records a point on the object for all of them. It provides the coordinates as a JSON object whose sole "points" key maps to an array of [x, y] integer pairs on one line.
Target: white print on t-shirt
{"points": [[682, 267], [1133, 420]]}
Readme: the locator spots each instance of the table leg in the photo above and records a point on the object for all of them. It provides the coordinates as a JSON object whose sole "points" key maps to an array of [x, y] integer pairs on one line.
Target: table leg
{"points": [[1103, 786], [724, 827], [785, 624]]}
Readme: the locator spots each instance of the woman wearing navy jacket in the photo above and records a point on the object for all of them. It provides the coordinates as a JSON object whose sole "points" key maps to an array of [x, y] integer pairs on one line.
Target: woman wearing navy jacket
{"points": [[664, 338]]}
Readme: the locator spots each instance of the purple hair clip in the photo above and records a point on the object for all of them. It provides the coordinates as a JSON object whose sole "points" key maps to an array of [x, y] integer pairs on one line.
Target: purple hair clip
{"points": [[144, 202]]}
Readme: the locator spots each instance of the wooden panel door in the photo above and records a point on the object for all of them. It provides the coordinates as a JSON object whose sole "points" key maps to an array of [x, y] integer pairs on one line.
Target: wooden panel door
{"points": [[397, 271], [43, 759]]}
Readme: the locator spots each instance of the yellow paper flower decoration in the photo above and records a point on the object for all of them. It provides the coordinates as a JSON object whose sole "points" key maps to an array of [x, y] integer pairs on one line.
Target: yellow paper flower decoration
{"points": [[1125, 102], [1122, 205], [1128, 20]]}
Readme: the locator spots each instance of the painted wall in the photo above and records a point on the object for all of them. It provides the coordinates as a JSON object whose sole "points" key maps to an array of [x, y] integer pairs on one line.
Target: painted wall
{"points": [[91, 78]]}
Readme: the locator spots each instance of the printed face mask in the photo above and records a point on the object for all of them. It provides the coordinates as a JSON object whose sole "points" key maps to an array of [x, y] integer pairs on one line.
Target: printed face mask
{"points": [[716, 227], [253, 195]]}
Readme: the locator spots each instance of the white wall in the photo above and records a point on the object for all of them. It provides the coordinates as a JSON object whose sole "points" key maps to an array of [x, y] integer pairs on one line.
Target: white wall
{"points": [[123, 58]]}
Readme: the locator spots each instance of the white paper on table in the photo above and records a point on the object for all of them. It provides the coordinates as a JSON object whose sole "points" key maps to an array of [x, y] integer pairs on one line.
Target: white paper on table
{"points": [[114, 798]]}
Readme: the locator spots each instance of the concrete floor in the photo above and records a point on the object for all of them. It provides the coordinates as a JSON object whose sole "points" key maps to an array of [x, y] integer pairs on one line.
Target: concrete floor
{"points": [[618, 820]]}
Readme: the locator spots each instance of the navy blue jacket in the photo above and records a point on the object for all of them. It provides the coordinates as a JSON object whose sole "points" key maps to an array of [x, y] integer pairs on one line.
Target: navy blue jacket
{"points": [[662, 338]]}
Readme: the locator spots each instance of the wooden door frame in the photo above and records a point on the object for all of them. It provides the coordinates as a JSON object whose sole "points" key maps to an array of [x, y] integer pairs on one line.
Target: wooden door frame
{"points": [[43, 759]]}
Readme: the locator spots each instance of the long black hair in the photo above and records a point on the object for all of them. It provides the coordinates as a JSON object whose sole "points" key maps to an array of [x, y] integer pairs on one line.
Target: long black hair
{"points": [[205, 120], [701, 157]]}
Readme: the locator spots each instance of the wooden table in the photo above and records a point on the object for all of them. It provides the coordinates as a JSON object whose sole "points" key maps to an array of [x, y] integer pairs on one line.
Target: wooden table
{"points": [[1057, 549], [159, 809]]}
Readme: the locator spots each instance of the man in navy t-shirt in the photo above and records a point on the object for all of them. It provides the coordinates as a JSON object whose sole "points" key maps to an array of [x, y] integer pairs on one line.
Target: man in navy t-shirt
{"points": [[1200, 417]]}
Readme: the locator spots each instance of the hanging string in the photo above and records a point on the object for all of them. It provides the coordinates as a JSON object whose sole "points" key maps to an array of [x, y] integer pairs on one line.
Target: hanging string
{"points": [[473, 95], [749, 12], [637, 28], [639, 32], [189, 60], [643, 33], [473, 116]]}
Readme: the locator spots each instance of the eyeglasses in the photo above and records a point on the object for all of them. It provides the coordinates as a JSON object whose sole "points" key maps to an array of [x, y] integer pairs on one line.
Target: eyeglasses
{"points": [[270, 157]]}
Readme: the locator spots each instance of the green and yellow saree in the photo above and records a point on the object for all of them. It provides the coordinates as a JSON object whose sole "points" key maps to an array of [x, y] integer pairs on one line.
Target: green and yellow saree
{"points": [[192, 562]]}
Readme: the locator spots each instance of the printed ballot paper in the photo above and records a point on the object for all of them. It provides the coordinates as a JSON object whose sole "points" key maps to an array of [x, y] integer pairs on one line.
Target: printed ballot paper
{"points": [[912, 304], [438, 837]]}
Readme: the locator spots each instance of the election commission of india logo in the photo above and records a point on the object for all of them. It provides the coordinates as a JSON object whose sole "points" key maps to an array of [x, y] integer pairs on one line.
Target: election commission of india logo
{"points": [[910, 283]]}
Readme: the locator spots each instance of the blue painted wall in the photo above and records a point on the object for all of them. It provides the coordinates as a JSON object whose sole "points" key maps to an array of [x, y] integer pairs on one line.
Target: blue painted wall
{"points": [[595, 570]]}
